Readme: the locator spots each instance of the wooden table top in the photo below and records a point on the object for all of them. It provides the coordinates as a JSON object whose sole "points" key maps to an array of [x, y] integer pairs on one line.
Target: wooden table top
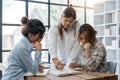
{"points": [[82, 76]]}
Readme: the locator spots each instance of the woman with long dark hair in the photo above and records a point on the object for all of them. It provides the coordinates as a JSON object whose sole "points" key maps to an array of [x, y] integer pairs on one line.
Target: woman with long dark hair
{"points": [[92, 52]]}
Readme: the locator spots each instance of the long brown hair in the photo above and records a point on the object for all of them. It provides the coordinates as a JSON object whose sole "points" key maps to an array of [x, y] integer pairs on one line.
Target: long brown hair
{"points": [[68, 12], [91, 32]]}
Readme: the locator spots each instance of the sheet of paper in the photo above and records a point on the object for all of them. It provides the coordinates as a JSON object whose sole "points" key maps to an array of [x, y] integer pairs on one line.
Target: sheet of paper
{"points": [[65, 71], [45, 72]]}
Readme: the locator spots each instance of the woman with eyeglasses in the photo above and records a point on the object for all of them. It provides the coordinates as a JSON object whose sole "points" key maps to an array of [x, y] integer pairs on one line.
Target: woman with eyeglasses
{"points": [[20, 61], [62, 39]]}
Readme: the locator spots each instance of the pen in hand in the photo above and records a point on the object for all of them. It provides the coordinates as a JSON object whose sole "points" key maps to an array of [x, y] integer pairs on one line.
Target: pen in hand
{"points": [[60, 66]]}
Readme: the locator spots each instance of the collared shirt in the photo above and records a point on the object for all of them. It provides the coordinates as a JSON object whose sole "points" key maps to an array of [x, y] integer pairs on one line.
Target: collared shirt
{"points": [[20, 61], [67, 49], [97, 61]]}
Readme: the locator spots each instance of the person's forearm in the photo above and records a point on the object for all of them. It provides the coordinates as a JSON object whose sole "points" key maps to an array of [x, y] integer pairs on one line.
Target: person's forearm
{"points": [[88, 54]]}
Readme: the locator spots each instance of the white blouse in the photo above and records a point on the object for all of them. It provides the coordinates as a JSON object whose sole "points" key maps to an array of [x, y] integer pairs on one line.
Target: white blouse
{"points": [[67, 49]]}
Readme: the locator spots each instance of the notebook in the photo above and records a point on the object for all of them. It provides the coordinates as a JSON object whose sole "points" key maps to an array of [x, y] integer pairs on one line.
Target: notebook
{"points": [[45, 72], [64, 72]]}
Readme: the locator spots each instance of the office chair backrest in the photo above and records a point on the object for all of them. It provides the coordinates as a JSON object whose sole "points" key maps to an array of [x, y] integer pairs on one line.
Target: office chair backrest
{"points": [[111, 66]]}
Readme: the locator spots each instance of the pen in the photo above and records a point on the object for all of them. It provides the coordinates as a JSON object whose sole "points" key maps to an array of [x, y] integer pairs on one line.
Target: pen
{"points": [[60, 67]]}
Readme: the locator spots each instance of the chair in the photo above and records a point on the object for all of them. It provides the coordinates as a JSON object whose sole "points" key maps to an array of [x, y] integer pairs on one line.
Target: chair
{"points": [[111, 66]]}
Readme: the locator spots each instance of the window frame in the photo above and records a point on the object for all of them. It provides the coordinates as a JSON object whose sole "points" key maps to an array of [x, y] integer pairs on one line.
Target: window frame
{"points": [[26, 13]]}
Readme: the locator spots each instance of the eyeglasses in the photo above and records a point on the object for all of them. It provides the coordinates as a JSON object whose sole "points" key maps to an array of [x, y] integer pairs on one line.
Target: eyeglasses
{"points": [[42, 35]]}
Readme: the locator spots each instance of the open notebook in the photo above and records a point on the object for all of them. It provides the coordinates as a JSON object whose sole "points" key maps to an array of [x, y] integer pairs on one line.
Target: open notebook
{"points": [[45, 72], [63, 72]]}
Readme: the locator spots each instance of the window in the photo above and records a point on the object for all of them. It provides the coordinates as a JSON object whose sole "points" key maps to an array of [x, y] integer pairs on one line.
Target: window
{"points": [[39, 11], [10, 11], [42, 10], [48, 11]]}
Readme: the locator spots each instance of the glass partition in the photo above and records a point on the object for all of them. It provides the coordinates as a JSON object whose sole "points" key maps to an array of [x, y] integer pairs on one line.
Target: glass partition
{"points": [[40, 0], [10, 36], [80, 14], [59, 1], [77, 2], [55, 13], [12, 11], [39, 11]]}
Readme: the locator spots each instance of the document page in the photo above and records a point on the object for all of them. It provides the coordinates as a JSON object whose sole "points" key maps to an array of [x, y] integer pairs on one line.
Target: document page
{"points": [[44, 73], [65, 71]]}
